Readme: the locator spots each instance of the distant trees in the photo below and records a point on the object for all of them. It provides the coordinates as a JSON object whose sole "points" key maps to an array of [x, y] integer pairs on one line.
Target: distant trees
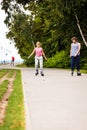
{"points": [[52, 22]]}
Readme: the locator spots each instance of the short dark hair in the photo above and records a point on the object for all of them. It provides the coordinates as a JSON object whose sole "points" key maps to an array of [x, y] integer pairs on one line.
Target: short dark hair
{"points": [[74, 38]]}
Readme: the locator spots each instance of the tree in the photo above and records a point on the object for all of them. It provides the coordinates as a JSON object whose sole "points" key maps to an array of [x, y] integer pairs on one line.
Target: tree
{"points": [[20, 33], [52, 22]]}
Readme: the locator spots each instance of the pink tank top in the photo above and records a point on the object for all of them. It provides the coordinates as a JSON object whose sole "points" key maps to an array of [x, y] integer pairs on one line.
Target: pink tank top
{"points": [[38, 51]]}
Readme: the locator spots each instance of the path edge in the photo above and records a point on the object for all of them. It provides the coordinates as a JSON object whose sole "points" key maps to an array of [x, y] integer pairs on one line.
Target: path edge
{"points": [[26, 108]]}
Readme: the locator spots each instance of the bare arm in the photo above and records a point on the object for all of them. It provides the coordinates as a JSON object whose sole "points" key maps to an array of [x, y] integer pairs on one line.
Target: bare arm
{"points": [[31, 54], [44, 55], [70, 52], [78, 49]]}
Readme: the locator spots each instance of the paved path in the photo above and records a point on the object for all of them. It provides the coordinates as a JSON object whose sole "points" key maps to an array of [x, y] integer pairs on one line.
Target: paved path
{"points": [[56, 101]]}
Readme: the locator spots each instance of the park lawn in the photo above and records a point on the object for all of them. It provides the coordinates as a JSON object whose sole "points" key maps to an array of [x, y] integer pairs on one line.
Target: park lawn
{"points": [[11, 73], [3, 72], [15, 115], [3, 88]]}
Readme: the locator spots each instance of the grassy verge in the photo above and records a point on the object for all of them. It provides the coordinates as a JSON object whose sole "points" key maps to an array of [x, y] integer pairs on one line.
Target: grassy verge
{"points": [[14, 118], [3, 72], [84, 71], [11, 73], [22, 65], [3, 88]]}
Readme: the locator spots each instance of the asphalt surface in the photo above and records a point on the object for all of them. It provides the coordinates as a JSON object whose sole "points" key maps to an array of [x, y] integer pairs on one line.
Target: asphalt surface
{"points": [[57, 101]]}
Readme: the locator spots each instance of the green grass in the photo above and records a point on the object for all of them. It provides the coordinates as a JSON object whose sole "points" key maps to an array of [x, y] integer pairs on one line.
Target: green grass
{"points": [[22, 65], [11, 73], [84, 71], [14, 119], [3, 88], [3, 72]]}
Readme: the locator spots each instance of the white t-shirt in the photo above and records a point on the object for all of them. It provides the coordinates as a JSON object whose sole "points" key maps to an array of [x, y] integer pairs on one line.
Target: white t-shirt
{"points": [[74, 48]]}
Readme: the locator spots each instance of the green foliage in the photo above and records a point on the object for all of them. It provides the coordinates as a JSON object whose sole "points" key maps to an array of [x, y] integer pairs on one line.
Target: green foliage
{"points": [[60, 60], [52, 22], [85, 66], [84, 71], [20, 33], [30, 62]]}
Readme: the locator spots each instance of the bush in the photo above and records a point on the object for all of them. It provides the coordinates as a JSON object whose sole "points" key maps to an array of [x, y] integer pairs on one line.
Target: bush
{"points": [[60, 60], [85, 66], [30, 62]]}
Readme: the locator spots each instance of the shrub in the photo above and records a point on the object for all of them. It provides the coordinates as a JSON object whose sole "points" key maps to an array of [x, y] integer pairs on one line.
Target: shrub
{"points": [[60, 60], [30, 62]]}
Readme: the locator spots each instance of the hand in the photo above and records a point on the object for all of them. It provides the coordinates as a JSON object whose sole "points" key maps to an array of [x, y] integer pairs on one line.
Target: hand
{"points": [[75, 55], [45, 58], [70, 56], [28, 57]]}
